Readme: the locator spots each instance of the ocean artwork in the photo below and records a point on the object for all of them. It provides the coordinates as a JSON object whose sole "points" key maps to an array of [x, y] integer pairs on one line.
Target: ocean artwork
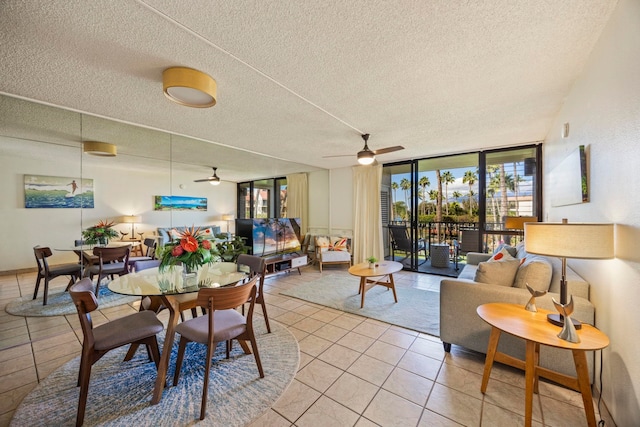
{"points": [[41, 191], [180, 203]]}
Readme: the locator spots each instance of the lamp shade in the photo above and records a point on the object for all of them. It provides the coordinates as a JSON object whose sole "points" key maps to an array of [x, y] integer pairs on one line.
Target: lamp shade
{"points": [[97, 148], [189, 87], [517, 222], [579, 240], [131, 219], [227, 217]]}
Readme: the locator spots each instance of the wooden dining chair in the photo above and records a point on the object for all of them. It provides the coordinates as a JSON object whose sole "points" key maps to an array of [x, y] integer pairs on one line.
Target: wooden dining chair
{"points": [[47, 273], [257, 267], [110, 261], [138, 328], [222, 323], [150, 253]]}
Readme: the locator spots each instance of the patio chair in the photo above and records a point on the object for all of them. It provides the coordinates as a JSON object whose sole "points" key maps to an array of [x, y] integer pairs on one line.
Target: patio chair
{"points": [[222, 323], [138, 328], [47, 273], [400, 241]]}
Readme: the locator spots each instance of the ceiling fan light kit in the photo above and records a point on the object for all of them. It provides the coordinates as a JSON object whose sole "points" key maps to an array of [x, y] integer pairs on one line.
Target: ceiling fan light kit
{"points": [[367, 156], [97, 148], [189, 87]]}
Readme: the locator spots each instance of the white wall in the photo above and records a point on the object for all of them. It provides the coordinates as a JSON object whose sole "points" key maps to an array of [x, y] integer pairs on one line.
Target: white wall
{"points": [[603, 109], [119, 190], [331, 202]]}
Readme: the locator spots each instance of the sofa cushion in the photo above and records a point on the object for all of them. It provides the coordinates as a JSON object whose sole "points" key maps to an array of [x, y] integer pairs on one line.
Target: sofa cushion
{"points": [[536, 272], [511, 249], [500, 273]]}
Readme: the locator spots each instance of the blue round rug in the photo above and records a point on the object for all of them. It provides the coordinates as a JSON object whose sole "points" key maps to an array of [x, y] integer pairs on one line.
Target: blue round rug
{"points": [[120, 392], [60, 303]]}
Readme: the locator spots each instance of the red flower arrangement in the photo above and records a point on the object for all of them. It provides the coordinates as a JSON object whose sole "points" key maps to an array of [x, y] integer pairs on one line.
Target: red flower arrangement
{"points": [[191, 250]]}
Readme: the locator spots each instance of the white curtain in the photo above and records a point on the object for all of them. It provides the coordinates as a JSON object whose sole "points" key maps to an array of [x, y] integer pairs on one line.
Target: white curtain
{"points": [[298, 199], [367, 224]]}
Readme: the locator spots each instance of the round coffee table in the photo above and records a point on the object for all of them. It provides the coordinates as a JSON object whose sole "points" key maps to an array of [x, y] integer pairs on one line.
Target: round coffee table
{"points": [[385, 269]]}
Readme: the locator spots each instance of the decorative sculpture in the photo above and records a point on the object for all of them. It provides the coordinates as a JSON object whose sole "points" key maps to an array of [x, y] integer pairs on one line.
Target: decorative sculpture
{"points": [[568, 332], [531, 304]]}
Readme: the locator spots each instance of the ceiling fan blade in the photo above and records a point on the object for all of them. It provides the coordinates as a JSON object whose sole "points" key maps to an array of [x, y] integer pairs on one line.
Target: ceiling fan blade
{"points": [[203, 180], [388, 150], [338, 155]]}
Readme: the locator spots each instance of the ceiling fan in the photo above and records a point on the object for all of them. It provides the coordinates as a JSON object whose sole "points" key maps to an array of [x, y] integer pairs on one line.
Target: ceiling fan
{"points": [[366, 156], [213, 179]]}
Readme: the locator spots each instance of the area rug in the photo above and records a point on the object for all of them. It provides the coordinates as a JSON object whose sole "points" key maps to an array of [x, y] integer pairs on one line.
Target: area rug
{"points": [[449, 271], [60, 303], [120, 392], [416, 309]]}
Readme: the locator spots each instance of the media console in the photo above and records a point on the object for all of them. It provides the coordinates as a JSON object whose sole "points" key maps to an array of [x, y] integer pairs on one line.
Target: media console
{"points": [[285, 262]]}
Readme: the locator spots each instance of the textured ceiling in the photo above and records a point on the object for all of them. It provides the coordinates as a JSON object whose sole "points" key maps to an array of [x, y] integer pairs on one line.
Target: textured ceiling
{"points": [[301, 80]]}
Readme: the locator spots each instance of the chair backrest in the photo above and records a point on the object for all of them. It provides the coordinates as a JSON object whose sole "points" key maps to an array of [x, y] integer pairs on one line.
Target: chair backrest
{"points": [[256, 264], [41, 254], [469, 241], [228, 297], [118, 253], [400, 237], [146, 264], [151, 246], [85, 302]]}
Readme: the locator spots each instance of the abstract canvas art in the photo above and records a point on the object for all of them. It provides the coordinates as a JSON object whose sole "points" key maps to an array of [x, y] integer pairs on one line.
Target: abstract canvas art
{"points": [[41, 191]]}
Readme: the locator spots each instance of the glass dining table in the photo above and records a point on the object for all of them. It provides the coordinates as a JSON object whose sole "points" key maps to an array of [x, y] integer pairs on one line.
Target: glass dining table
{"points": [[168, 289]]}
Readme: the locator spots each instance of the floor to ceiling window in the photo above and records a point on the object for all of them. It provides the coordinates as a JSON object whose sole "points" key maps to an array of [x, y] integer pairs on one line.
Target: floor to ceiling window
{"points": [[458, 201], [265, 198]]}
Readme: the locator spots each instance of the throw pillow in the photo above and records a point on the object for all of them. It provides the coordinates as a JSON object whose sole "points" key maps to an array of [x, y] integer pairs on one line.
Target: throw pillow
{"points": [[322, 242], [535, 272], [501, 256], [207, 233], [498, 273], [340, 244], [512, 250]]}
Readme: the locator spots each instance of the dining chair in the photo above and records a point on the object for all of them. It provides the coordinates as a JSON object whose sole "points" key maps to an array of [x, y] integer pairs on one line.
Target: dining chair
{"points": [[111, 261], [138, 328], [257, 267], [47, 273], [150, 253], [222, 323]]}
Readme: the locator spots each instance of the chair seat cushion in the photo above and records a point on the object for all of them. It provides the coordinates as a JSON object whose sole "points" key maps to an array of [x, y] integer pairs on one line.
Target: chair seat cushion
{"points": [[121, 331], [133, 259], [335, 256], [115, 267], [227, 325], [65, 269]]}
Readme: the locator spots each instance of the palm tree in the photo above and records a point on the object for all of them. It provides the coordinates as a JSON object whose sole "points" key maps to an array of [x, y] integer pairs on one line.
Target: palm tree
{"points": [[439, 197], [394, 187], [424, 183], [447, 178], [470, 178], [433, 195], [405, 184]]}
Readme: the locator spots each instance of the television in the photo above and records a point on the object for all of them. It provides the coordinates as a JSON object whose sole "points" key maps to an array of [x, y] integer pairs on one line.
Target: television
{"points": [[270, 236]]}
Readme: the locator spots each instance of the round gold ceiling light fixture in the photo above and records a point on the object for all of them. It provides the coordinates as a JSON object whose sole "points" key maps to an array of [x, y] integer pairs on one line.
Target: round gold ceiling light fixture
{"points": [[97, 148], [189, 87]]}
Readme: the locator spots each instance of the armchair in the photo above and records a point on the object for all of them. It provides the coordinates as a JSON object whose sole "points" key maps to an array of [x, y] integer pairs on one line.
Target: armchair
{"points": [[332, 250]]}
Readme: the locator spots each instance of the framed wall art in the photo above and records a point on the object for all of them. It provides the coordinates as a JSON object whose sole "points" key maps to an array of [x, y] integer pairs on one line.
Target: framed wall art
{"points": [[180, 203], [42, 191]]}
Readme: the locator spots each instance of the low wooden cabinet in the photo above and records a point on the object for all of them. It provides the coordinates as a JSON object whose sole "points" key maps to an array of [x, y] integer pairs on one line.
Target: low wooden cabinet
{"points": [[285, 262]]}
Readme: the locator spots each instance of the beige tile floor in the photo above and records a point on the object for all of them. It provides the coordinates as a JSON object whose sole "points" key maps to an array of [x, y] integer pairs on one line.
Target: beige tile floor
{"points": [[353, 371]]}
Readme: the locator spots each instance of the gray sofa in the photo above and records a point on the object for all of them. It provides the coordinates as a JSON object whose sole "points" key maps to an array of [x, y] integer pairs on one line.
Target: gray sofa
{"points": [[461, 325], [164, 237]]}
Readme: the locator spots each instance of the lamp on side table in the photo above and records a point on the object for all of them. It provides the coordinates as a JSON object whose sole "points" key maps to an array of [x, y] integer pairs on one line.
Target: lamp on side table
{"points": [[564, 240]]}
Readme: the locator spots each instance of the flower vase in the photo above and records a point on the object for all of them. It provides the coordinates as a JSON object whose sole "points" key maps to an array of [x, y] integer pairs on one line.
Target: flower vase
{"points": [[189, 275]]}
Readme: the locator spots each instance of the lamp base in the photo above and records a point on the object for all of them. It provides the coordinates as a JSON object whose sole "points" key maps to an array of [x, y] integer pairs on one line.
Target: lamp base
{"points": [[558, 320]]}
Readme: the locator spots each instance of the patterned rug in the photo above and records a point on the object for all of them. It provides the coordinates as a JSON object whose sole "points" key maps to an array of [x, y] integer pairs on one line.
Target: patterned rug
{"points": [[60, 303], [416, 309], [120, 392]]}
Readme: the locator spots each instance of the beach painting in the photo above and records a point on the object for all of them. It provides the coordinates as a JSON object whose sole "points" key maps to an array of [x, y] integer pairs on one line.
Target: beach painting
{"points": [[180, 203], [41, 191]]}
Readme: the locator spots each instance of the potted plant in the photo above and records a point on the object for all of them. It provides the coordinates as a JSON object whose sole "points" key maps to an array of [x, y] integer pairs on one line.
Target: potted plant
{"points": [[228, 250], [372, 262], [99, 233]]}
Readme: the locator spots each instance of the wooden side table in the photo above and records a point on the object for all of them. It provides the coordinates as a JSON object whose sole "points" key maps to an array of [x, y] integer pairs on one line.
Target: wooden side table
{"points": [[384, 270], [535, 330]]}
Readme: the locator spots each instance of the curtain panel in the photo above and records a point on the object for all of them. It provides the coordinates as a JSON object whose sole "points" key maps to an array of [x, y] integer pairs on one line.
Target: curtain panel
{"points": [[298, 199], [367, 224]]}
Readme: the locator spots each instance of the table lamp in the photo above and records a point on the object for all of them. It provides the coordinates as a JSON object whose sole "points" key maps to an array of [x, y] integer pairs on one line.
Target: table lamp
{"points": [[132, 219], [565, 240], [228, 218], [517, 222]]}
